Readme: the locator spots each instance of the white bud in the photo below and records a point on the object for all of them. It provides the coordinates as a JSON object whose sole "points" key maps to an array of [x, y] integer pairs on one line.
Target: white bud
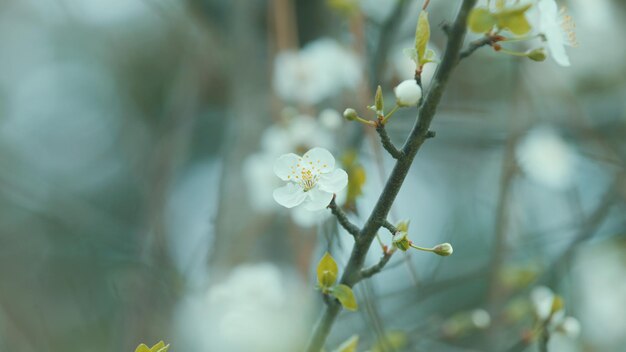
{"points": [[542, 299], [408, 93], [570, 327]]}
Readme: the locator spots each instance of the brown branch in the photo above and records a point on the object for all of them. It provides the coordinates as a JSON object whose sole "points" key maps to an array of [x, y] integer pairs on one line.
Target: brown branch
{"points": [[352, 271], [376, 268]]}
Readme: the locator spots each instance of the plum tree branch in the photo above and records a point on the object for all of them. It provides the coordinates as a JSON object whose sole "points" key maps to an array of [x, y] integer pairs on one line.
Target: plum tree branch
{"points": [[342, 218], [352, 272]]}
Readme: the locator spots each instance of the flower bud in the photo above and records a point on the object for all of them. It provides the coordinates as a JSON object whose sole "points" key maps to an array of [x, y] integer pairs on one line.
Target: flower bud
{"points": [[444, 249], [538, 54], [408, 93], [350, 114], [401, 241]]}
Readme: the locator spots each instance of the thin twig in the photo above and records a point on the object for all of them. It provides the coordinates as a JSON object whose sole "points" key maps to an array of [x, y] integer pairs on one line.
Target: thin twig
{"points": [[342, 218], [389, 226], [387, 143], [352, 271], [475, 45], [376, 268]]}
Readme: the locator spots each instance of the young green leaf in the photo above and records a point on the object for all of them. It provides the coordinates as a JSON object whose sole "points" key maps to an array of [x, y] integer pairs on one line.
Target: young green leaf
{"points": [[142, 348], [345, 296], [378, 100], [514, 19], [422, 36], [481, 20], [349, 345], [327, 271]]}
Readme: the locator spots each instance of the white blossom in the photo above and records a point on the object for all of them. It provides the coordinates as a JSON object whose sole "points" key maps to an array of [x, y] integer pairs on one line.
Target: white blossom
{"points": [[542, 299], [546, 158], [249, 311], [558, 30], [311, 179], [408, 93], [570, 326], [320, 70]]}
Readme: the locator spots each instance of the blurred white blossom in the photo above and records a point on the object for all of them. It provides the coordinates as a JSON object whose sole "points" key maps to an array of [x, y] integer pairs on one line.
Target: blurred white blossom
{"points": [[546, 158], [378, 10], [257, 308], [320, 70]]}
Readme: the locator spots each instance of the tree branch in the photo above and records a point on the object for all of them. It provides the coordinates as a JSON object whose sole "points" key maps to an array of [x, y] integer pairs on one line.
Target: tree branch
{"points": [[343, 219], [475, 45], [389, 226], [352, 271], [387, 143], [376, 268]]}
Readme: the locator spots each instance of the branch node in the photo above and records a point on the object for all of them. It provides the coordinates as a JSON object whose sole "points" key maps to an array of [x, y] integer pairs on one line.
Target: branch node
{"points": [[431, 134]]}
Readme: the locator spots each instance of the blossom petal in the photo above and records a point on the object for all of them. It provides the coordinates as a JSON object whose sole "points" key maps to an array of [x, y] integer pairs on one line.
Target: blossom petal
{"points": [[285, 166], [290, 195], [320, 159], [317, 199], [334, 181], [557, 49]]}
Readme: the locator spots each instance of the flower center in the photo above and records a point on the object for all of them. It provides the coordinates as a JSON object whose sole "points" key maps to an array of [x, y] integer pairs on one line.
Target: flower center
{"points": [[308, 180], [568, 26]]}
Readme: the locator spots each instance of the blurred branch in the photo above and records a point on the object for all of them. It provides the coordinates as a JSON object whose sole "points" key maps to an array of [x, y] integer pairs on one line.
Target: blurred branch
{"points": [[387, 32], [475, 45], [413, 143]]}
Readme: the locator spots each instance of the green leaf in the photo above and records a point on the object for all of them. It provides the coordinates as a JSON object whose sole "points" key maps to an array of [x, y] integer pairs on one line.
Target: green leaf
{"points": [[345, 296], [327, 271], [411, 53], [481, 20], [378, 100], [159, 347], [514, 19], [349, 345], [422, 36], [430, 56], [142, 348]]}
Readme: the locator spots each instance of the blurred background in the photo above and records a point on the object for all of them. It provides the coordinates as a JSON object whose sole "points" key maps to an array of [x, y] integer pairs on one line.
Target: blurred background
{"points": [[137, 139]]}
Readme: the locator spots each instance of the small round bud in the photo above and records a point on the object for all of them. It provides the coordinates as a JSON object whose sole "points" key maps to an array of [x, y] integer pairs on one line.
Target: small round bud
{"points": [[350, 114], [401, 241], [444, 249], [538, 54], [408, 93]]}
